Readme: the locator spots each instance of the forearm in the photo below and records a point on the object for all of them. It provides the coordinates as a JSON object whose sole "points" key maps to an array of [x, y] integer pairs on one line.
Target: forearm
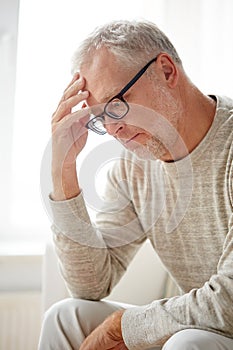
{"points": [[81, 269], [90, 267], [94, 256], [79, 250], [203, 308]]}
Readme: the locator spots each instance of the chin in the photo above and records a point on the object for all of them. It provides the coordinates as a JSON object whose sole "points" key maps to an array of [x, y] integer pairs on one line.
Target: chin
{"points": [[152, 150]]}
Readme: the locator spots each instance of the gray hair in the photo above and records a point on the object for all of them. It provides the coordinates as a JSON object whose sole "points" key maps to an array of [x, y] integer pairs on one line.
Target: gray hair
{"points": [[131, 42]]}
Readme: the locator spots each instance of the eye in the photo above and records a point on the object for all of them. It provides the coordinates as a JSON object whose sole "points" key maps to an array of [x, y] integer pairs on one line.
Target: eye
{"points": [[116, 103], [116, 106]]}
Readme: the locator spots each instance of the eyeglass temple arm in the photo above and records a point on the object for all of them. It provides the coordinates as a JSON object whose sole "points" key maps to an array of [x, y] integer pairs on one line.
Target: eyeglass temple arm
{"points": [[137, 76]]}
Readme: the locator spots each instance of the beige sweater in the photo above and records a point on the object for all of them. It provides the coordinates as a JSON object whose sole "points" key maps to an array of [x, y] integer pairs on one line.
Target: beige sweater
{"points": [[185, 210]]}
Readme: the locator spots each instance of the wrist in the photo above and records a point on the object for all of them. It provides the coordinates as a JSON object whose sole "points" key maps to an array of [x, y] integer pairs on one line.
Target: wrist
{"points": [[65, 182]]}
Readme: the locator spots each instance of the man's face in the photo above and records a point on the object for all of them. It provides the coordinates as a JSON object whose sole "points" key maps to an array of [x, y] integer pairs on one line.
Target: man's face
{"points": [[149, 128]]}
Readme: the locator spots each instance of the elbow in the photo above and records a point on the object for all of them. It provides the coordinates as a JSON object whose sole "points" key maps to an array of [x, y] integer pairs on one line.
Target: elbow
{"points": [[95, 294]]}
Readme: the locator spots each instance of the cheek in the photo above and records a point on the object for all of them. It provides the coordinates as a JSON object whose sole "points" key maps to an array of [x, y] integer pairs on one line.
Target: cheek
{"points": [[141, 117], [164, 102]]}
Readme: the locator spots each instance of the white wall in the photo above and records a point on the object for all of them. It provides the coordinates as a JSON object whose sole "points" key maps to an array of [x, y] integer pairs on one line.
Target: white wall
{"points": [[8, 46]]}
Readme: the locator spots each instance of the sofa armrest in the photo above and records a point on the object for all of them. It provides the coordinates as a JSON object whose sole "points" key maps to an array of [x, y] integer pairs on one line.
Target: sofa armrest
{"points": [[53, 285]]}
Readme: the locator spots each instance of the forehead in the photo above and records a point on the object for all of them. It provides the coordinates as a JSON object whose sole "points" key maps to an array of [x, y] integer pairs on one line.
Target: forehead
{"points": [[104, 75]]}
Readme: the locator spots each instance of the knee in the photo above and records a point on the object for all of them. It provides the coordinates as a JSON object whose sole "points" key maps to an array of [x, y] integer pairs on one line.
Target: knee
{"points": [[188, 339], [64, 312], [57, 311]]}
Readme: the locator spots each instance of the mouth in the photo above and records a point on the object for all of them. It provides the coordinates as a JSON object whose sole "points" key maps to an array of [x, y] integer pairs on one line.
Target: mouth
{"points": [[131, 139]]}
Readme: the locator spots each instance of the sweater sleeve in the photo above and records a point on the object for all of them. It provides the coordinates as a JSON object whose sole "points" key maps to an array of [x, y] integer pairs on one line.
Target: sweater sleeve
{"points": [[208, 308], [94, 256]]}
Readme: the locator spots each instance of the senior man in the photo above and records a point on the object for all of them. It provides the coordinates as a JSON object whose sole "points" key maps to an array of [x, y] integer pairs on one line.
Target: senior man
{"points": [[174, 187]]}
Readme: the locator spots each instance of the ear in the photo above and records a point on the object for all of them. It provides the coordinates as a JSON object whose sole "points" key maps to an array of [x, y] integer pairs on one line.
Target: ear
{"points": [[169, 69]]}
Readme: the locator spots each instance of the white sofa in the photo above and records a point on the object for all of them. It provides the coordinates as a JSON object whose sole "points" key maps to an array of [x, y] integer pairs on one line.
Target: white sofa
{"points": [[144, 281]]}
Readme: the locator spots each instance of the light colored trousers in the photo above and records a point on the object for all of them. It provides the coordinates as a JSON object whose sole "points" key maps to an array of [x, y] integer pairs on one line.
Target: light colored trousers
{"points": [[67, 323]]}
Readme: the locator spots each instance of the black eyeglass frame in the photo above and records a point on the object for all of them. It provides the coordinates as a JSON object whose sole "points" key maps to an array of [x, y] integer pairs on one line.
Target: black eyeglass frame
{"points": [[119, 96]]}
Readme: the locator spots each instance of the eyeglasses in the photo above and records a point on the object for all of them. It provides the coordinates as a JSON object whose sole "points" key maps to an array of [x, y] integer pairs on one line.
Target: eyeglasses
{"points": [[116, 107]]}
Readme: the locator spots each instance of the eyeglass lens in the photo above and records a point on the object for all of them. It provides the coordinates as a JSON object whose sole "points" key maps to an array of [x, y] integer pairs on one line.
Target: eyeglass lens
{"points": [[97, 124], [116, 109]]}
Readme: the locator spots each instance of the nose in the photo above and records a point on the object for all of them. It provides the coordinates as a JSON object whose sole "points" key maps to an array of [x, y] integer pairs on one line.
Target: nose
{"points": [[113, 126]]}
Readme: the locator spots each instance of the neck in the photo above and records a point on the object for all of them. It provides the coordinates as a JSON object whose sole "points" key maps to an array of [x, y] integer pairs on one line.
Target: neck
{"points": [[196, 120], [199, 116]]}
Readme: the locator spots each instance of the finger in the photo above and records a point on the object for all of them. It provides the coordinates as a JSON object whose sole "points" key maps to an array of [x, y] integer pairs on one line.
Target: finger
{"points": [[73, 88], [80, 118], [76, 76], [66, 106]]}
